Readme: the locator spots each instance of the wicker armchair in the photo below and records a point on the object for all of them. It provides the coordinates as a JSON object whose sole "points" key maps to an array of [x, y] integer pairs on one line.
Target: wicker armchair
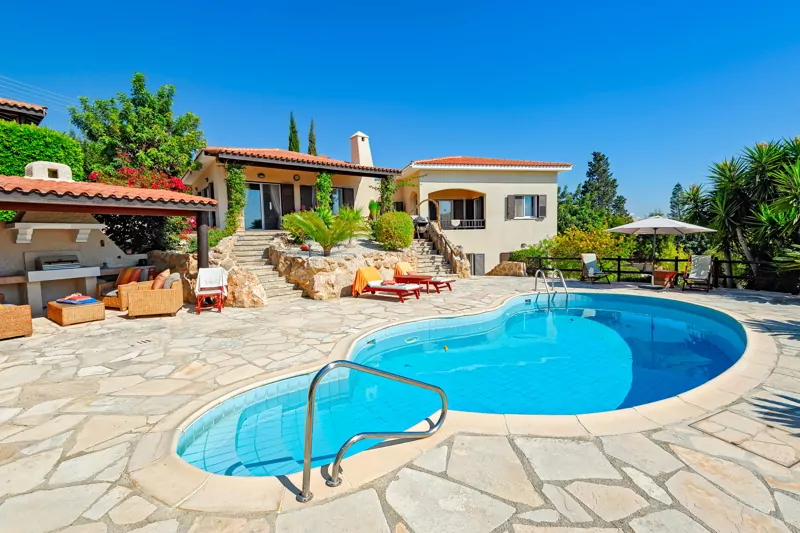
{"points": [[142, 300], [119, 299], [15, 321]]}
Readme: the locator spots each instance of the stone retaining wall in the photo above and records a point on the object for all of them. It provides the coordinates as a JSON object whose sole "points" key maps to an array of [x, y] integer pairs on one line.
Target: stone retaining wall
{"points": [[244, 288], [324, 278]]}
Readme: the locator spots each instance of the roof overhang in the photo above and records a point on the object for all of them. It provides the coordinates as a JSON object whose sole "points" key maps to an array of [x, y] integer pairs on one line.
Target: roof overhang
{"points": [[17, 201], [493, 168], [305, 166]]}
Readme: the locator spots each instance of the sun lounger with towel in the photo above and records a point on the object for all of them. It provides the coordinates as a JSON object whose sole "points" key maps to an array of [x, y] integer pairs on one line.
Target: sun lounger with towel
{"points": [[698, 273], [402, 268], [368, 279], [591, 270]]}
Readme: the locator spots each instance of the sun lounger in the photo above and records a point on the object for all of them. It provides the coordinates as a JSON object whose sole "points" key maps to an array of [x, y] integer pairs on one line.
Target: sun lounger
{"points": [[369, 280], [401, 290], [698, 273], [402, 268], [591, 269]]}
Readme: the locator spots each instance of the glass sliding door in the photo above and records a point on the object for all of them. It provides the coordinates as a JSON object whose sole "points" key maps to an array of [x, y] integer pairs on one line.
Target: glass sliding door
{"points": [[263, 208], [271, 195], [253, 218]]}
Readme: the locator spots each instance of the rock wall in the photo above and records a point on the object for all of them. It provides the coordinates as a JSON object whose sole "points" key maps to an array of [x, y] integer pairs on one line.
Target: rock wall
{"points": [[324, 278], [508, 268], [244, 288]]}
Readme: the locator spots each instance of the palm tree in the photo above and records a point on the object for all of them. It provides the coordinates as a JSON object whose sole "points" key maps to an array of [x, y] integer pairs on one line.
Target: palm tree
{"points": [[760, 164], [700, 210], [787, 183], [313, 227], [730, 203]]}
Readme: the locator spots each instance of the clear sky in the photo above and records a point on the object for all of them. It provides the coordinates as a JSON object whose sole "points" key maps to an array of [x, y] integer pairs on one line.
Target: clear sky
{"points": [[663, 89]]}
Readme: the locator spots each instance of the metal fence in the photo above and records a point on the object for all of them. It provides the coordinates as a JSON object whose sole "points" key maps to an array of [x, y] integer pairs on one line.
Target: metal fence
{"points": [[621, 269]]}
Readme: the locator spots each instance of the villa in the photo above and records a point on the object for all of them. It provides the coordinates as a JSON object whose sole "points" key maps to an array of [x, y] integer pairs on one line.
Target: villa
{"points": [[489, 207]]}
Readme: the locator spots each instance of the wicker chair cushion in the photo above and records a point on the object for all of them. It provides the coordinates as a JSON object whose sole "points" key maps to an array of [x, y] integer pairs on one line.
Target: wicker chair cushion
{"points": [[172, 278], [111, 294], [158, 283]]}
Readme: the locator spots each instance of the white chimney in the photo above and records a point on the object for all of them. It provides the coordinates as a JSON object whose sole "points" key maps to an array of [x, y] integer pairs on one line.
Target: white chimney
{"points": [[46, 170], [360, 153]]}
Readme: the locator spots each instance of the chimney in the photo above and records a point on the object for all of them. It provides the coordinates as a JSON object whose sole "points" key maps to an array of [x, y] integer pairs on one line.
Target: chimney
{"points": [[46, 170], [360, 153]]}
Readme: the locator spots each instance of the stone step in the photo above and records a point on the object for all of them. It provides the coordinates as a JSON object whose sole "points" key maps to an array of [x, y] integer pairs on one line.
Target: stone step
{"points": [[249, 254], [273, 292], [296, 295], [259, 268], [249, 247]]}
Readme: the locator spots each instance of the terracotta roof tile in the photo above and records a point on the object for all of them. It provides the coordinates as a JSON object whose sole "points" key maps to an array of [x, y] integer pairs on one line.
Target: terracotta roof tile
{"points": [[76, 189], [487, 161], [23, 105], [276, 154]]}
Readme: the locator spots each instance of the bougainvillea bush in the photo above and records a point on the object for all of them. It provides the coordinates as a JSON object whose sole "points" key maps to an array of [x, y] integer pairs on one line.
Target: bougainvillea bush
{"points": [[139, 233]]}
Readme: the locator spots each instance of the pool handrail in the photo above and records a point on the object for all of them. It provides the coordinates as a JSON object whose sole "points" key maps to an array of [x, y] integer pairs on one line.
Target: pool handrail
{"points": [[546, 287], [334, 481]]}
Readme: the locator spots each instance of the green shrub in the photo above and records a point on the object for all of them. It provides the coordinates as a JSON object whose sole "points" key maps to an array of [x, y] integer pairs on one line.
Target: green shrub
{"points": [[297, 233], [394, 230], [324, 185], [214, 236], [314, 226], [21, 144]]}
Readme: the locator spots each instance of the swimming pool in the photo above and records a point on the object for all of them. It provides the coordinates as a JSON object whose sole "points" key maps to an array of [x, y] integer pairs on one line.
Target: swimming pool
{"points": [[583, 354]]}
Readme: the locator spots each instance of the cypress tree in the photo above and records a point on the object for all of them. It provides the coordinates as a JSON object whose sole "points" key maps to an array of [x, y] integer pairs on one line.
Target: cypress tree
{"points": [[294, 139], [312, 139]]}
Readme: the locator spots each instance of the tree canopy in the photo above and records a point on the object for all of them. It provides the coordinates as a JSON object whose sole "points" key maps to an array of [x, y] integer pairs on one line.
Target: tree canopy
{"points": [[138, 130], [312, 139], [294, 139]]}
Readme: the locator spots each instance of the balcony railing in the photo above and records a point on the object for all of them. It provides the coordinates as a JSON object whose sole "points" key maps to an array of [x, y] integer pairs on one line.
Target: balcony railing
{"points": [[464, 224]]}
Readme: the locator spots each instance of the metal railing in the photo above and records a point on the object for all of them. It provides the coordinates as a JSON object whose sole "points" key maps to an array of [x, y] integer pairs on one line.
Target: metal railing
{"points": [[334, 481], [544, 279], [463, 224]]}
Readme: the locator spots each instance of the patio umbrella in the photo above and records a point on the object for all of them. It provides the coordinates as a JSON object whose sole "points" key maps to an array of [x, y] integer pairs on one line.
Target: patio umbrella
{"points": [[658, 226]]}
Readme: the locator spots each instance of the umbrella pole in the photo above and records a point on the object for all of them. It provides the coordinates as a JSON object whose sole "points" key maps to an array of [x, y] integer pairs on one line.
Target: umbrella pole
{"points": [[653, 274]]}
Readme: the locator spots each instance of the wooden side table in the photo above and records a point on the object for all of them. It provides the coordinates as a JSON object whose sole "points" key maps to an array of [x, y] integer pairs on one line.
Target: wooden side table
{"points": [[69, 314], [665, 278]]}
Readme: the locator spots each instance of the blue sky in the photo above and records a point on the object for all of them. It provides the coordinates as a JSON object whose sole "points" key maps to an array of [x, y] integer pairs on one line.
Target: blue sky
{"points": [[663, 90]]}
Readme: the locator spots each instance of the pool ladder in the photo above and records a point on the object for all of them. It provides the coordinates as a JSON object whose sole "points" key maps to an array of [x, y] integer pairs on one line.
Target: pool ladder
{"points": [[334, 481], [550, 295]]}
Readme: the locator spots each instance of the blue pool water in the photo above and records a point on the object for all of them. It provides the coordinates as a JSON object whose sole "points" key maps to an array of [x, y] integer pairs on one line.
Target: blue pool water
{"points": [[587, 353]]}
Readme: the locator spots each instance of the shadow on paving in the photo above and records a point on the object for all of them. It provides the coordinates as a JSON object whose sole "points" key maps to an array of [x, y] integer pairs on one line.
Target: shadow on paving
{"points": [[783, 412], [787, 329]]}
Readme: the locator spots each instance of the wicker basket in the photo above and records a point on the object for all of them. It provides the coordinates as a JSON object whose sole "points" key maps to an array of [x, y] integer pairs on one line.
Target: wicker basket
{"points": [[15, 321], [69, 314]]}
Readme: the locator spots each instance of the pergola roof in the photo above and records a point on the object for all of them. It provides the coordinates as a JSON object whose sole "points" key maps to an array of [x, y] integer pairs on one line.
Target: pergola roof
{"points": [[29, 194]]}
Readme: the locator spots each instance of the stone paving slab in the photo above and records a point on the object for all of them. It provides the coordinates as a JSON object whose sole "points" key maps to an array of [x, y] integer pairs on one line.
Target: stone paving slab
{"points": [[86, 430]]}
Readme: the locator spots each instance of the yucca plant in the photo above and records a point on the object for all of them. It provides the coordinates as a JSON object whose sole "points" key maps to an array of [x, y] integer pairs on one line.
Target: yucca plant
{"points": [[790, 260], [314, 227]]}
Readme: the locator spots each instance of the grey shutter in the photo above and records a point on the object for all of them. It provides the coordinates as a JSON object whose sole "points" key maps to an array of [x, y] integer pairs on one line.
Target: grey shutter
{"points": [[348, 197], [510, 207], [542, 206]]}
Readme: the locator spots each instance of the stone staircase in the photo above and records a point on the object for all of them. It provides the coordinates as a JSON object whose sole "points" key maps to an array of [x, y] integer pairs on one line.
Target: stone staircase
{"points": [[250, 251], [429, 261]]}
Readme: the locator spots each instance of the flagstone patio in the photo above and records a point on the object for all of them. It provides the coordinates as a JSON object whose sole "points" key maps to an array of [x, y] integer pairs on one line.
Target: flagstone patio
{"points": [[83, 411]]}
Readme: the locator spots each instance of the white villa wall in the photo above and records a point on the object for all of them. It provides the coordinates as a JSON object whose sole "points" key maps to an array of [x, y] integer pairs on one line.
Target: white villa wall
{"points": [[500, 235], [217, 174]]}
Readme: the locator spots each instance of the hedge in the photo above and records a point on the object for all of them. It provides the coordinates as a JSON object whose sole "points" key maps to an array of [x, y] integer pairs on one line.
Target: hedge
{"points": [[21, 144], [394, 230]]}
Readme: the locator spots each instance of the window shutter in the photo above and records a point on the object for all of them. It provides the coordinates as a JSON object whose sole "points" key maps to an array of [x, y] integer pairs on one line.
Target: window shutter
{"points": [[348, 197], [510, 207], [542, 206]]}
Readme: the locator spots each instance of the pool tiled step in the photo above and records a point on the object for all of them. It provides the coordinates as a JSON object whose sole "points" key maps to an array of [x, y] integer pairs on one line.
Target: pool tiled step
{"points": [[250, 252]]}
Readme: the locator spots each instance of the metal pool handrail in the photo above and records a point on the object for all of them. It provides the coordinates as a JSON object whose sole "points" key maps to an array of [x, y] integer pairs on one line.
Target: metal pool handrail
{"points": [[334, 481], [546, 287]]}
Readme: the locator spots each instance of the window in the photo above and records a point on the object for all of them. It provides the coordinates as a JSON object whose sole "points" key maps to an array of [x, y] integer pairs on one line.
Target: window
{"points": [[399, 206], [526, 206]]}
